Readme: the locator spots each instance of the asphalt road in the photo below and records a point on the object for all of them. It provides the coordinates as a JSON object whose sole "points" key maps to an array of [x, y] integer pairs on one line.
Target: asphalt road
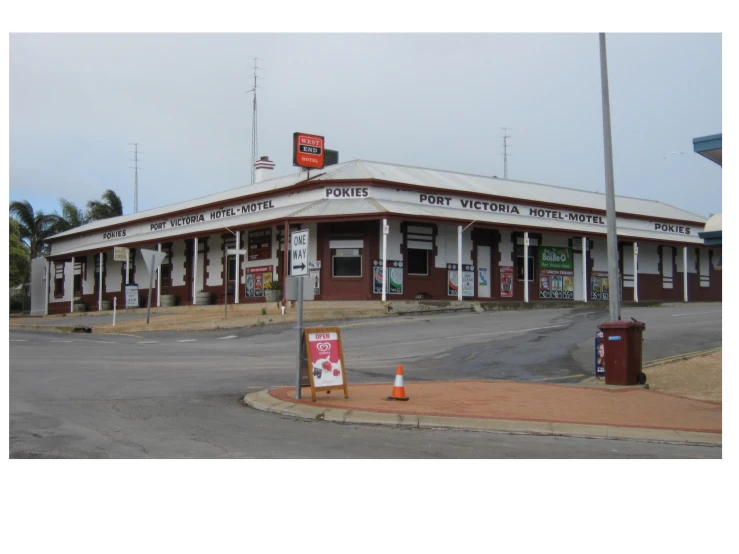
{"points": [[177, 395]]}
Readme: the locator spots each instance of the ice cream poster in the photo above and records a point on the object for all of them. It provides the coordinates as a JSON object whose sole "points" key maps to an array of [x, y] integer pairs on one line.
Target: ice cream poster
{"points": [[325, 359]]}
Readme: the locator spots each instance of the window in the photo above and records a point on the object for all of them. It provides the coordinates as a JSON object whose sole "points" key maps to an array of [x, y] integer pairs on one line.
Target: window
{"points": [[79, 271], [165, 271], [418, 262], [519, 268], [58, 279], [347, 262]]}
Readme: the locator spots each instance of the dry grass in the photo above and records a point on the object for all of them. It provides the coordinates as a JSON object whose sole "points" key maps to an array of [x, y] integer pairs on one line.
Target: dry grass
{"points": [[698, 377]]}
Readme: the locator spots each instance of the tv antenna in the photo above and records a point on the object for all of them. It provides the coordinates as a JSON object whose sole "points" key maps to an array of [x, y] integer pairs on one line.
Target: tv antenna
{"points": [[135, 176], [254, 134], [506, 136]]}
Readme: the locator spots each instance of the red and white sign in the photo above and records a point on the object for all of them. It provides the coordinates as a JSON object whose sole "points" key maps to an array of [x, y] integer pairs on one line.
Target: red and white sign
{"points": [[308, 150], [326, 368], [326, 360]]}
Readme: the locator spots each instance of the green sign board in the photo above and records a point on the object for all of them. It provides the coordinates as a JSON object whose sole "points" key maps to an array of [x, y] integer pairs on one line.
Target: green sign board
{"points": [[555, 257]]}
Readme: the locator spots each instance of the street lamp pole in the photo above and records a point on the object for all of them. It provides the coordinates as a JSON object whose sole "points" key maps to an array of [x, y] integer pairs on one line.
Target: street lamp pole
{"points": [[614, 304]]}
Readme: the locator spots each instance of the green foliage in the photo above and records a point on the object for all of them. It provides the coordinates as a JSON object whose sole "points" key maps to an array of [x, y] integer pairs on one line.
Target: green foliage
{"points": [[20, 260], [71, 216], [35, 227], [109, 206]]}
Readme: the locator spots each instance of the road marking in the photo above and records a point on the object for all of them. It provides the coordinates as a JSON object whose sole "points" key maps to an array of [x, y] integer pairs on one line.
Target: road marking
{"points": [[507, 332], [61, 341], [187, 340], [18, 340], [697, 313], [228, 337], [106, 341], [148, 342]]}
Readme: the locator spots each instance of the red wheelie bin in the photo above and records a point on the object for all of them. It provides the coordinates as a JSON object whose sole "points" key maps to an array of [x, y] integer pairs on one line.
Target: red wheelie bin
{"points": [[623, 351]]}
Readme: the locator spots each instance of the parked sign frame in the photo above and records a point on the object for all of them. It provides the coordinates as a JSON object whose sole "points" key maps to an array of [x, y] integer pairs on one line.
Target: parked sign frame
{"points": [[323, 346]]}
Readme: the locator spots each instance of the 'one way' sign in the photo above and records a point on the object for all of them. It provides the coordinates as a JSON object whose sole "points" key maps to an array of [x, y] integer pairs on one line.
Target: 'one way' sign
{"points": [[299, 252]]}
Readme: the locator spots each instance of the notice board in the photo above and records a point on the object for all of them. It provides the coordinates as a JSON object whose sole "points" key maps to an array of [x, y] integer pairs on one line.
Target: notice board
{"points": [[326, 368]]}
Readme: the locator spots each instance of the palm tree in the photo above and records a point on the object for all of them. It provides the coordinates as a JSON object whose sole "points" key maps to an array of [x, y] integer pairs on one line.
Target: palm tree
{"points": [[71, 216], [35, 227], [110, 206]]}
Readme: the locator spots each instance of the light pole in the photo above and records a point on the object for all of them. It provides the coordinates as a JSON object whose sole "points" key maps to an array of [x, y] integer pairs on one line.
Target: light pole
{"points": [[614, 304]]}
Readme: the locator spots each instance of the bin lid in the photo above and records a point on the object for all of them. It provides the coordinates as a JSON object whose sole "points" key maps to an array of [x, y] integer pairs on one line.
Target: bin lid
{"points": [[622, 325]]}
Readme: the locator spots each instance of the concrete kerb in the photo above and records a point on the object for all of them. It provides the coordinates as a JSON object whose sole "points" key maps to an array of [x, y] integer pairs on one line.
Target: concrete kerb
{"points": [[263, 401]]}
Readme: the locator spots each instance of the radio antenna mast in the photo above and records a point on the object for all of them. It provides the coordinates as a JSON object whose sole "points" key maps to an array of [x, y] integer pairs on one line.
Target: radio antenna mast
{"points": [[505, 151], [135, 176], [254, 134]]}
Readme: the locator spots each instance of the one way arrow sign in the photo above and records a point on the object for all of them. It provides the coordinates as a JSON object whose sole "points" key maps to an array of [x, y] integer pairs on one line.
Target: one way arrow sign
{"points": [[299, 252]]}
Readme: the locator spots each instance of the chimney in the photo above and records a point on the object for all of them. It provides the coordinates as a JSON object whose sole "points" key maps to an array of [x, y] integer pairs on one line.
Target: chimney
{"points": [[263, 168]]}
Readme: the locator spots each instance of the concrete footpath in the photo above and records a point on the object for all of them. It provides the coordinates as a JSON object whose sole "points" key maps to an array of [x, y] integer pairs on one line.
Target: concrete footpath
{"points": [[581, 410]]}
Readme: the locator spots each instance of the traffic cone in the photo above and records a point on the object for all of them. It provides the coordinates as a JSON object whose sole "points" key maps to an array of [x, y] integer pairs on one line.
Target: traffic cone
{"points": [[398, 388]]}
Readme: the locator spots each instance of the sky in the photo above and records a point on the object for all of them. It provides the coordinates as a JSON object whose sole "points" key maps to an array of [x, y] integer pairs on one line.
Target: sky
{"points": [[79, 101]]}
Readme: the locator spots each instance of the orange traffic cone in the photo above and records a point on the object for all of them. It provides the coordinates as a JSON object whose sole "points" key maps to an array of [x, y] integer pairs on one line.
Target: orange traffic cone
{"points": [[398, 388]]}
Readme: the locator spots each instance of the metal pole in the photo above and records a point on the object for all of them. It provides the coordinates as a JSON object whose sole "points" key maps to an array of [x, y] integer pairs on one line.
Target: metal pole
{"points": [[115, 306], [636, 272], [384, 261], [459, 263], [151, 281], [100, 282], [299, 328], [526, 266], [585, 268], [685, 273], [225, 281], [128, 265], [614, 303]]}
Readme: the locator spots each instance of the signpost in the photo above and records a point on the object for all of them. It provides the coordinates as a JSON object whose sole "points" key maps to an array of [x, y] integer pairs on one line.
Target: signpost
{"points": [[120, 254], [132, 296], [308, 151], [299, 269], [152, 259]]}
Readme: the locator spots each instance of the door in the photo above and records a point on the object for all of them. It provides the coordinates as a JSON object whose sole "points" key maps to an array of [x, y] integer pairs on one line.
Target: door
{"points": [[577, 265]]}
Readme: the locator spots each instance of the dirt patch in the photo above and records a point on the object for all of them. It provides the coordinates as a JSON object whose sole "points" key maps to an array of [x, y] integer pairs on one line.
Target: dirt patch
{"points": [[698, 377]]}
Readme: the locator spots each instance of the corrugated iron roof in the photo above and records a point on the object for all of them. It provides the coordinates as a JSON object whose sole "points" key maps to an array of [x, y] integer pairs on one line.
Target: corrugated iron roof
{"points": [[416, 176]]}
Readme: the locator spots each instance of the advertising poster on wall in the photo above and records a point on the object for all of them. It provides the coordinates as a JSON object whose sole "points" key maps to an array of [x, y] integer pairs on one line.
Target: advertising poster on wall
{"points": [[506, 281], [314, 274], [599, 285], [482, 277], [557, 284], [249, 285], [555, 257], [468, 280], [600, 355], [267, 278], [395, 274], [260, 244], [258, 285], [325, 360], [132, 296]]}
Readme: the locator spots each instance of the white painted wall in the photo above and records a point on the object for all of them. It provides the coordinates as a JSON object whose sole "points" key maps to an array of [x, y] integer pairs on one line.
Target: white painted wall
{"points": [[705, 279], [178, 267], [88, 278], [506, 248], [554, 240], [215, 259], [628, 275], [448, 254], [394, 240], [483, 261], [112, 272], [599, 254], [648, 259]]}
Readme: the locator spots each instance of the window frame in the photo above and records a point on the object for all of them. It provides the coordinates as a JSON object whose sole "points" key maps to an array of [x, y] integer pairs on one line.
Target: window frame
{"points": [[531, 268], [334, 257], [409, 264]]}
